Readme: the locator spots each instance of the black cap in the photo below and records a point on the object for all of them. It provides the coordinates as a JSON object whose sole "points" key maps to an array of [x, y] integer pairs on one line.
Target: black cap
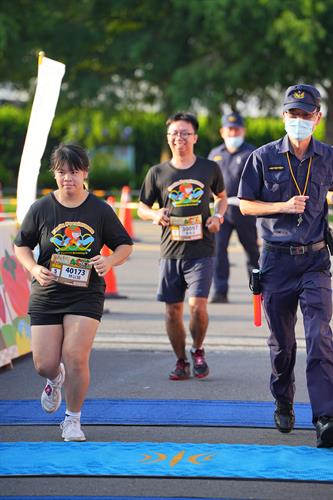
{"points": [[232, 120], [305, 97]]}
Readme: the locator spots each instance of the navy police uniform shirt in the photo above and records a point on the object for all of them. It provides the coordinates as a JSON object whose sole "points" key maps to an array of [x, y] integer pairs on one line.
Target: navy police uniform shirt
{"points": [[231, 164], [267, 177]]}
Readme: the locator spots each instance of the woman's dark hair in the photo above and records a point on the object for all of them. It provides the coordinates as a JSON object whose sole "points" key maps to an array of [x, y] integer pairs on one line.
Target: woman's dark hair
{"points": [[185, 117], [71, 154]]}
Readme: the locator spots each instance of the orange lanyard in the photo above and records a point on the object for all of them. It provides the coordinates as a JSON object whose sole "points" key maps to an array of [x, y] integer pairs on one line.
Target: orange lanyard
{"points": [[294, 178]]}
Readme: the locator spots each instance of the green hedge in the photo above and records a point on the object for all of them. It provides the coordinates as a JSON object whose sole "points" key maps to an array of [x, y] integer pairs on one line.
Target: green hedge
{"points": [[13, 127], [94, 128]]}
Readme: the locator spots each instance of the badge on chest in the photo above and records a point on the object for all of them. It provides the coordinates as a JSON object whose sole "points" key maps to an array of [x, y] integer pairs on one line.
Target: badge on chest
{"points": [[70, 270], [186, 228]]}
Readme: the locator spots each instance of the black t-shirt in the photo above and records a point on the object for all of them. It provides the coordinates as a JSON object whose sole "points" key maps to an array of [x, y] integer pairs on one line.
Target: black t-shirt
{"points": [[185, 192], [80, 231]]}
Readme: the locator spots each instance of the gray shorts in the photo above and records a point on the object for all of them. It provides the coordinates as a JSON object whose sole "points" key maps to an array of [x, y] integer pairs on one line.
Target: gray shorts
{"points": [[179, 275]]}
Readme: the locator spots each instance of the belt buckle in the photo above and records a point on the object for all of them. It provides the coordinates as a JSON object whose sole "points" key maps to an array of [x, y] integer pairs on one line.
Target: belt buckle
{"points": [[297, 250]]}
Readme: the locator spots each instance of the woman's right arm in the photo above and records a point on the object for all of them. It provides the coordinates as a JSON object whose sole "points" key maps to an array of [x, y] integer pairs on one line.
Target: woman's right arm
{"points": [[26, 257]]}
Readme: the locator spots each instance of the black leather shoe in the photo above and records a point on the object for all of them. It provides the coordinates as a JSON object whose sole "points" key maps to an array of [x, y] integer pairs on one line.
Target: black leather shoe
{"points": [[324, 429], [284, 417], [219, 298]]}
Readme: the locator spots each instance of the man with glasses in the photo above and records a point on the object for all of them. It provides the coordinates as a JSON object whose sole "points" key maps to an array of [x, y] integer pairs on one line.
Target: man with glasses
{"points": [[183, 188], [231, 156], [285, 183]]}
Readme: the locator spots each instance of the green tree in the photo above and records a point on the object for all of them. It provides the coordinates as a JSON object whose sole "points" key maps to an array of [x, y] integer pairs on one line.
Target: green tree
{"points": [[175, 53]]}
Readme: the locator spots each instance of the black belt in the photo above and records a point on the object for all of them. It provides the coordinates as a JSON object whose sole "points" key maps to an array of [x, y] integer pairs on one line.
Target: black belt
{"points": [[299, 250]]}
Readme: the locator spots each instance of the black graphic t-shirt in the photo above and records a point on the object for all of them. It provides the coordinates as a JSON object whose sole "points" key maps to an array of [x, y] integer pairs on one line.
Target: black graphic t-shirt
{"points": [[185, 192], [80, 231]]}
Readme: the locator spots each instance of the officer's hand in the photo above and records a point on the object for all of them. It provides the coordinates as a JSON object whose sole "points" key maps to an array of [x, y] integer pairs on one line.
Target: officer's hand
{"points": [[296, 205], [213, 224], [162, 217]]}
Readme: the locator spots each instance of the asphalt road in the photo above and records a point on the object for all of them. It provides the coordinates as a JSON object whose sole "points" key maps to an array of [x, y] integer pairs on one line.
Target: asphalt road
{"points": [[132, 359]]}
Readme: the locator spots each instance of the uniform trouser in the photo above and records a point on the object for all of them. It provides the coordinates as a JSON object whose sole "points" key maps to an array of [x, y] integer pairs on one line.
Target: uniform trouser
{"points": [[247, 235], [305, 280]]}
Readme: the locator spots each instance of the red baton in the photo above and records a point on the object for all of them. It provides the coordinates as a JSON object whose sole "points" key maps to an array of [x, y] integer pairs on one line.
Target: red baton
{"points": [[256, 290]]}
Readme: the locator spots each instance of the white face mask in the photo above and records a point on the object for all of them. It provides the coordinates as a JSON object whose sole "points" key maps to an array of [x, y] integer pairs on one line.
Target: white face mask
{"points": [[298, 129], [234, 142]]}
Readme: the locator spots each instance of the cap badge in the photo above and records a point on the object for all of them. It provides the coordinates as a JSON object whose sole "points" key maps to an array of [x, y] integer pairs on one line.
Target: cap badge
{"points": [[232, 118], [298, 94]]}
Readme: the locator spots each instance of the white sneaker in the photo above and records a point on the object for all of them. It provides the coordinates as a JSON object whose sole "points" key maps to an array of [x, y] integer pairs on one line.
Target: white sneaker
{"points": [[51, 395], [71, 430]]}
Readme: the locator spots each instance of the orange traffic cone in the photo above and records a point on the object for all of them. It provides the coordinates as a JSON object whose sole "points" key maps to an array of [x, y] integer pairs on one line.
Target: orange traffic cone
{"points": [[111, 200], [111, 290], [125, 213]]}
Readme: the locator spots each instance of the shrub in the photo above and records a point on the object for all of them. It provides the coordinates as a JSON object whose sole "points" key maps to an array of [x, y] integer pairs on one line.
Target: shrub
{"points": [[97, 130], [13, 127]]}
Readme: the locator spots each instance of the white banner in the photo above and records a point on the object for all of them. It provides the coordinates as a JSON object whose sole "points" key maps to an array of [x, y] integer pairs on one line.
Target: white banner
{"points": [[50, 74]]}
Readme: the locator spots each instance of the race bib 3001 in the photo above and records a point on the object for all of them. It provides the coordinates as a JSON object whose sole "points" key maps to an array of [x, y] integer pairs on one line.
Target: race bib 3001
{"points": [[70, 270]]}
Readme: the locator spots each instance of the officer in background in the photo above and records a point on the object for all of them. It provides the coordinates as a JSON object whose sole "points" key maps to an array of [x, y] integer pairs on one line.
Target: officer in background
{"points": [[285, 184], [231, 157]]}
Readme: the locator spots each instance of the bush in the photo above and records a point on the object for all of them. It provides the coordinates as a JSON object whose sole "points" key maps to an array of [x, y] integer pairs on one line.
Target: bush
{"points": [[96, 129], [13, 128]]}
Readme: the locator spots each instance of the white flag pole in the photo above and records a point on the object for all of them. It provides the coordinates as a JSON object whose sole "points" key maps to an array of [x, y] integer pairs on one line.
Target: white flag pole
{"points": [[50, 74]]}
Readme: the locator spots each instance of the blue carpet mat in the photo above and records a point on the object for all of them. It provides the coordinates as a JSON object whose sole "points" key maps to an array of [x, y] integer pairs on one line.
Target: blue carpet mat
{"points": [[166, 460], [156, 412], [109, 498]]}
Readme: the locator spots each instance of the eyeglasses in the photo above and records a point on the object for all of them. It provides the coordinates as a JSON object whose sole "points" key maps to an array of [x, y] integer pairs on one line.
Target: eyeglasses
{"points": [[301, 114], [182, 133]]}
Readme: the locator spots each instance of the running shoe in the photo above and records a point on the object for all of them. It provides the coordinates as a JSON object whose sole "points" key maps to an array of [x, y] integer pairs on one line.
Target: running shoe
{"points": [[200, 367], [181, 371], [71, 430], [51, 395]]}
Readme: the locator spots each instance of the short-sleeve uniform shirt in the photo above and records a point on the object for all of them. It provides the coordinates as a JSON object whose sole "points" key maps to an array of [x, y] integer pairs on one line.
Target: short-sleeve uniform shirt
{"points": [[267, 177], [231, 165]]}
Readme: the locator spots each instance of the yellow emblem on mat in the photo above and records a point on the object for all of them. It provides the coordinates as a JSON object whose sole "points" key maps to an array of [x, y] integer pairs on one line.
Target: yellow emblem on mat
{"points": [[159, 457], [298, 94]]}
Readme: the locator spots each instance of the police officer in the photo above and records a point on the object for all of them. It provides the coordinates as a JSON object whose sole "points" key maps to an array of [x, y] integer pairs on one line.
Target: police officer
{"points": [[231, 156], [285, 184]]}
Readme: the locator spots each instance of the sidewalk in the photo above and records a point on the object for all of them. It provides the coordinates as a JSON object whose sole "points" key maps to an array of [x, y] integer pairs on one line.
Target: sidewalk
{"points": [[138, 321]]}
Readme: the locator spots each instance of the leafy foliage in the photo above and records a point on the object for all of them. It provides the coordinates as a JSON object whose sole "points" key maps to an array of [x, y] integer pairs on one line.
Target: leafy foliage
{"points": [[174, 54], [94, 130]]}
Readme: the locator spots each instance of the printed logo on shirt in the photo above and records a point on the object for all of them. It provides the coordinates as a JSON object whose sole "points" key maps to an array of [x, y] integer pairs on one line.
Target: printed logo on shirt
{"points": [[186, 193], [276, 167], [217, 158], [74, 237]]}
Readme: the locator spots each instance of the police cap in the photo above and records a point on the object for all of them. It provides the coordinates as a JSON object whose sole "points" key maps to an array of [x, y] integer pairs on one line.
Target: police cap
{"points": [[232, 120], [305, 97]]}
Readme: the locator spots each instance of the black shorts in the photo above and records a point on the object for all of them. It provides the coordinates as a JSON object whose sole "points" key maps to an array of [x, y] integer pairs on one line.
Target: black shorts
{"points": [[48, 306], [38, 319]]}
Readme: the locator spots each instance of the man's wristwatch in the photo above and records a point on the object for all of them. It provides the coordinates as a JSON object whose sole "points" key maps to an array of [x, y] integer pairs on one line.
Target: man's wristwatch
{"points": [[219, 216]]}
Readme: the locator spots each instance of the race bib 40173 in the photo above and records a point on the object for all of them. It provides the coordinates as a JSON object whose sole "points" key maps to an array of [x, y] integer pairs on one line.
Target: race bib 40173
{"points": [[70, 270]]}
